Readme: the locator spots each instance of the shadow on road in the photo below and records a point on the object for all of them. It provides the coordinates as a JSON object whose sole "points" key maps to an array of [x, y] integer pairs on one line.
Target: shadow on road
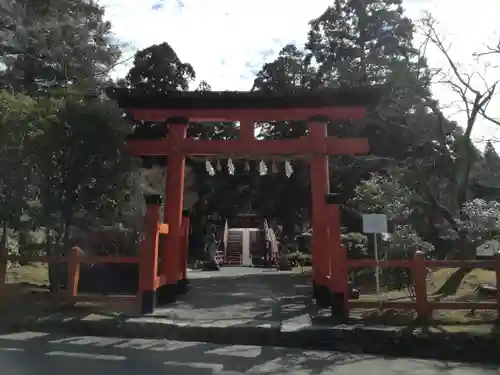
{"points": [[139, 356]]}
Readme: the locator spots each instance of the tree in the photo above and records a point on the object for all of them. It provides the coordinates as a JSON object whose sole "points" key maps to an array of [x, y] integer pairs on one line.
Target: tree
{"points": [[287, 72], [356, 43], [79, 164], [371, 42], [159, 69], [62, 139], [277, 197], [485, 178], [491, 157], [474, 103], [54, 43], [17, 113]]}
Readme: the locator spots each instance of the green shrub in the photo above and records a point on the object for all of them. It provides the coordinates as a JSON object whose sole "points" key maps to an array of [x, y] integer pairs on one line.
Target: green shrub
{"points": [[300, 259]]}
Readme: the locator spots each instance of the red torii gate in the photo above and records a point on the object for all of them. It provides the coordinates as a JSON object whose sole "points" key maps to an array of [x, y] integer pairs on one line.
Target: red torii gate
{"points": [[177, 109]]}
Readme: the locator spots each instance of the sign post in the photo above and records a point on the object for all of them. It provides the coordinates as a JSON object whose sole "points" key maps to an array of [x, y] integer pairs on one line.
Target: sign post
{"points": [[375, 224]]}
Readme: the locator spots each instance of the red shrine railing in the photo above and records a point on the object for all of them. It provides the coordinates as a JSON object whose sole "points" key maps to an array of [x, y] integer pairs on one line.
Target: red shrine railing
{"points": [[149, 278], [419, 266]]}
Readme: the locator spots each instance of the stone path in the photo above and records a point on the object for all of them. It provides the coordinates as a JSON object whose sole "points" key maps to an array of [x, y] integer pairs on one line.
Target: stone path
{"points": [[239, 295]]}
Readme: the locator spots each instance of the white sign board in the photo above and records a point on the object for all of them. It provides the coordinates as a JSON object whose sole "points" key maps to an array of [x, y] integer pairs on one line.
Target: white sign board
{"points": [[488, 249], [375, 223]]}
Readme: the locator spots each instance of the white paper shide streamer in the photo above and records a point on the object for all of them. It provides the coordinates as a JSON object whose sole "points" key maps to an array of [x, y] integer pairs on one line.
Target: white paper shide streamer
{"points": [[274, 167], [288, 169], [230, 167], [210, 169], [262, 168]]}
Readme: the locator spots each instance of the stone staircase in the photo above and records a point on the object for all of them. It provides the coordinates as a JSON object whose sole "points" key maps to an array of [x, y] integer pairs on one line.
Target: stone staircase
{"points": [[234, 249]]}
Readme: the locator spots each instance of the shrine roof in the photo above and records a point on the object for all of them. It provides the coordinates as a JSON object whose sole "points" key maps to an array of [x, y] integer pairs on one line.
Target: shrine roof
{"points": [[343, 97]]}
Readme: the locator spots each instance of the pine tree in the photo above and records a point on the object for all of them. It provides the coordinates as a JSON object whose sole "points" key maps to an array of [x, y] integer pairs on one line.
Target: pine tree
{"points": [[158, 69], [359, 42]]}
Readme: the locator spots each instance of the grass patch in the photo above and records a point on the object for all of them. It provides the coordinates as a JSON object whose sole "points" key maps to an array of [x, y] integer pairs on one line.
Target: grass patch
{"points": [[27, 295], [32, 274]]}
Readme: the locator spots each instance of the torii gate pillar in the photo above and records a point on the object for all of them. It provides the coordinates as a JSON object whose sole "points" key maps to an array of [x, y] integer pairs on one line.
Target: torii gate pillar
{"points": [[174, 193], [320, 185]]}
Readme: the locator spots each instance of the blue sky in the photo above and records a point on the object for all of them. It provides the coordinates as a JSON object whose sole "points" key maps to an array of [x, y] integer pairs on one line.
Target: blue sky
{"points": [[227, 41]]}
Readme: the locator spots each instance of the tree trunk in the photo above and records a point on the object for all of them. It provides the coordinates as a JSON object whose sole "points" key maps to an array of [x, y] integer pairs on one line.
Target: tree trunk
{"points": [[52, 268], [66, 237], [5, 229]]}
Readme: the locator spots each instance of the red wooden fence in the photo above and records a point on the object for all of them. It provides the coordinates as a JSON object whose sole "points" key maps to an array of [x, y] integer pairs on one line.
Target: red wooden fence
{"points": [[147, 261], [419, 266], [148, 268]]}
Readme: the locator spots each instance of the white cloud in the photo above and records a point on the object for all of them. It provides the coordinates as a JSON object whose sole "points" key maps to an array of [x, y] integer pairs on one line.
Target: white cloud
{"points": [[227, 41]]}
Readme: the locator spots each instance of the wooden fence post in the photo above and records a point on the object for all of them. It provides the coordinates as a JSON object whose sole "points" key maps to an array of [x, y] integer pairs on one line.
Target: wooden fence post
{"points": [[497, 274], [73, 272], [148, 253], [419, 277]]}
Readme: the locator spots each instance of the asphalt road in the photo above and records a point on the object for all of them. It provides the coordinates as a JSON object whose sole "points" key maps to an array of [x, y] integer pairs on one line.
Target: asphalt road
{"points": [[32, 353]]}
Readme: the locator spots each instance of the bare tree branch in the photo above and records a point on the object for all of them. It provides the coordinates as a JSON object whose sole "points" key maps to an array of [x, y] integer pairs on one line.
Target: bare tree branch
{"points": [[461, 83], [489, 51], [475, 101]]}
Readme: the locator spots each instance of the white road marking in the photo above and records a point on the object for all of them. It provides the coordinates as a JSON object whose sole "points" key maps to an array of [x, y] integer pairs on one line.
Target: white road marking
{"points": [[88, 340], [121, 343], [12, 349], [166, 346], [159, 345], [215, 367], [23, 336], [245, 351], [140, 344], [107, 357]]}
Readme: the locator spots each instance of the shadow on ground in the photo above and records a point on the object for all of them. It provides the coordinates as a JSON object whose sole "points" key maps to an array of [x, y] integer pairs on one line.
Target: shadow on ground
{"points": [[264, 297]]}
